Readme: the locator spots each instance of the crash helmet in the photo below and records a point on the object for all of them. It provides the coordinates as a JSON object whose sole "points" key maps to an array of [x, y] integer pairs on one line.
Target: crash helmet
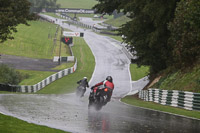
{"points": [[109, 78]]}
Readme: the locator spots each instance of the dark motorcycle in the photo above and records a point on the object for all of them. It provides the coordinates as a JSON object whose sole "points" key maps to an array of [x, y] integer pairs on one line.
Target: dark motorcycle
{"points": [[98, 98], [80, 90]]}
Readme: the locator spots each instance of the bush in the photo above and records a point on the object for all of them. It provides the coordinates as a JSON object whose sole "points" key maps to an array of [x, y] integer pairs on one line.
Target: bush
{"points": [[9, 75]]}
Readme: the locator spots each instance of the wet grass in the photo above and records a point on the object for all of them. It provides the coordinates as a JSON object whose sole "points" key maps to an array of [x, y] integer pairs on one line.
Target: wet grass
{"points": [[31, 41], [64, 66], [34, 76], [117, 22], [87, 4], [13, 125], [138, 72], [86, 64], [185, 80], [133, 100]]}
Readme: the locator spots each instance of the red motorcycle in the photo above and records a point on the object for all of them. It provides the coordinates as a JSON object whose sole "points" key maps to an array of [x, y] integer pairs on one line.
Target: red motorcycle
{"points": [[98, 97]]}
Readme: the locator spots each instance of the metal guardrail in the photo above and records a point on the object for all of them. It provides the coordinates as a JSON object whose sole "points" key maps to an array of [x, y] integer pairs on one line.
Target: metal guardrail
{"points": [[182, 99]]}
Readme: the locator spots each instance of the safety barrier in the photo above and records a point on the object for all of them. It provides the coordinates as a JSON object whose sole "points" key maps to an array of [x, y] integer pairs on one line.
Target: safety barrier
{"points": [[63, 58], [45, 82], [182, 99]]}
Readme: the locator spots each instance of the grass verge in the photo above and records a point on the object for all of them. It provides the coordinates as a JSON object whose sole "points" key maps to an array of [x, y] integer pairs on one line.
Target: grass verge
{"points": [[87, 4], [31, 41], [64, 66], [133, 100], [86, 64], [34, 76], [9, 124], [138, 72], [117, 22], [185, 80]]}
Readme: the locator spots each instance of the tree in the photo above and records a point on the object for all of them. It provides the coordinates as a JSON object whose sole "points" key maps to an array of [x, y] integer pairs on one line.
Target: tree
{"points": [[185, 33], [12, 13], [147, 31]]}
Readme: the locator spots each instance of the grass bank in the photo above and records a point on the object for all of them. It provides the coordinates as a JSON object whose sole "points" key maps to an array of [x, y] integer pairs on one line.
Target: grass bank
{"points": [[133, 100], [34, 76], [138, 72], [13, 125], [183, 80], [86, 64], [87, 4], [31, 41], [117, 22]]}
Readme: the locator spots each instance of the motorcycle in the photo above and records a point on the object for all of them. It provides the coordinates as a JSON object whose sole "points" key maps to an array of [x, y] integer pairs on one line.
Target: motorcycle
{"points": [[80, 90], [98, 98]]}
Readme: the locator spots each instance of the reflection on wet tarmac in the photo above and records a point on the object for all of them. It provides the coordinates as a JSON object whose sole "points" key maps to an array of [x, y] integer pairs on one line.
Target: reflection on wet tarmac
{"points": [[98, 121], [67, 113]]}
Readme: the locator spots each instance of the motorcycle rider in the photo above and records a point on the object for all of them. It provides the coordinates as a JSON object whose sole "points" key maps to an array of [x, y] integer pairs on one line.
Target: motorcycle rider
{"points": [[83, 83], [108, 83]]}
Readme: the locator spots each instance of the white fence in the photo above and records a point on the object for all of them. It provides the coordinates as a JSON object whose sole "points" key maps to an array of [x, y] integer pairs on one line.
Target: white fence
{"points": [[45, 82]]}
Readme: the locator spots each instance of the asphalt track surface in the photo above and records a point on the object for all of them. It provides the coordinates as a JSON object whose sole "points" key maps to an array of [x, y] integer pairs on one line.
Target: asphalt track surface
{"points": [[24, 63], [68, 113]]}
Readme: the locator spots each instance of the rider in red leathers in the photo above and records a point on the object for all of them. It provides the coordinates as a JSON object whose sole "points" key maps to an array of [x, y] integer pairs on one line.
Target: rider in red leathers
{"points": [[108, 83]]}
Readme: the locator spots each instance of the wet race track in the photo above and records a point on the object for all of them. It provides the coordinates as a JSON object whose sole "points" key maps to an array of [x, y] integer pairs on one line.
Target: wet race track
{"points": [[68, 113], [19, 62]]}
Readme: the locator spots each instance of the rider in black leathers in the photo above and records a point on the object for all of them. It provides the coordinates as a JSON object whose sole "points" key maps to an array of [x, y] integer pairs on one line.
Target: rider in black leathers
{"points": [[83, 83]]}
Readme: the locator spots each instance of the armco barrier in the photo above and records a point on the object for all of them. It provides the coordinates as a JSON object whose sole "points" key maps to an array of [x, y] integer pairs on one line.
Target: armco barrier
{"points": [[182, 99], [45, 82]]}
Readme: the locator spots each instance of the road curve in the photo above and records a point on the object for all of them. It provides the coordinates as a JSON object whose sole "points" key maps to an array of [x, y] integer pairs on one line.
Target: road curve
{"points": [[68, 113]]}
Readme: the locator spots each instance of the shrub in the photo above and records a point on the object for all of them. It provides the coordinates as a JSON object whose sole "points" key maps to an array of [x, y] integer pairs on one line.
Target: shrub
{"points": [[9, 75]]}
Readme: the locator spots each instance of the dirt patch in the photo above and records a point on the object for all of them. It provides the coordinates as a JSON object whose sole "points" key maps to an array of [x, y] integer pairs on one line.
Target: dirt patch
{"points": [[152, 82]]}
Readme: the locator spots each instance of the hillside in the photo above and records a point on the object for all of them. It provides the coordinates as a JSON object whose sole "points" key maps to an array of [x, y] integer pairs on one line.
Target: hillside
{"points": [[187, 79], [31, 41], [118, 21]]}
